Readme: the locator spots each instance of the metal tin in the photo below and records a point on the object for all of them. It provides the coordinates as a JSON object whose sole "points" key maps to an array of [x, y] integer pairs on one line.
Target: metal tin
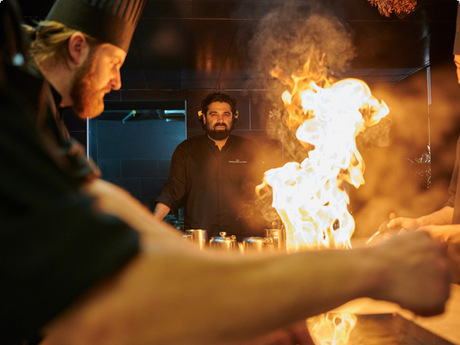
{"points": [[224, 242], [198, 236], [277, 238], [254, 244]]}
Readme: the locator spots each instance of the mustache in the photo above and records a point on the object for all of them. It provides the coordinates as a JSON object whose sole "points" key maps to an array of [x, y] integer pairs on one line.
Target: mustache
{"points": [[220, 124]]}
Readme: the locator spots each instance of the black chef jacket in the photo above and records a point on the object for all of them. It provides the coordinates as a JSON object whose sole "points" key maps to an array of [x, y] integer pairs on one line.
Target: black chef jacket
{"points": [[217, 187], [53, 246]]}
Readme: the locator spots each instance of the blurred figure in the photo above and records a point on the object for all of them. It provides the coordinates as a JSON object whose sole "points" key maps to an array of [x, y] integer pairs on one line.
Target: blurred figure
{"points": [[443, 224], [215, 175]]}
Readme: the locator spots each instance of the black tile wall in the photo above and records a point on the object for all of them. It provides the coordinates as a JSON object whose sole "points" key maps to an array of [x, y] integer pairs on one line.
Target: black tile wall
{"points": [[137, 155]]}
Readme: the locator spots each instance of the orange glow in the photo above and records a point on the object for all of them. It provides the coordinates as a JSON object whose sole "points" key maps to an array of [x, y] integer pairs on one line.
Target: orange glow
{"points": [[311, 197], [331, 329]]}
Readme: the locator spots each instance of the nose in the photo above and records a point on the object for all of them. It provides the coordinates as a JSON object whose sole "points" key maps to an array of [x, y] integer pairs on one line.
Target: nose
{"points": [[115, 82]]}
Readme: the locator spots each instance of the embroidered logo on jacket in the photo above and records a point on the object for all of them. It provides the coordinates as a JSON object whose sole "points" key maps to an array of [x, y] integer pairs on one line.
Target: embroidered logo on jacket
{"points": [[237, 161]]}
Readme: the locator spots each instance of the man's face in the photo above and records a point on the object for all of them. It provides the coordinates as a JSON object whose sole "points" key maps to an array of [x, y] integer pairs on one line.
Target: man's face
{"points": [[99, 74], [457, 63], [218, 120]]}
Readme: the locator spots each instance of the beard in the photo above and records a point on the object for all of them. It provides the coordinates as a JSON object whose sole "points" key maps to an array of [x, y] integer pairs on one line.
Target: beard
{"points": [[86, 101], [218, 134]]}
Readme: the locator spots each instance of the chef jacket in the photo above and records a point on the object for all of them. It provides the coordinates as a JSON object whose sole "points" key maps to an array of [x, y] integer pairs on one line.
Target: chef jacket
{"points": [[53, 246], [216, 186]]}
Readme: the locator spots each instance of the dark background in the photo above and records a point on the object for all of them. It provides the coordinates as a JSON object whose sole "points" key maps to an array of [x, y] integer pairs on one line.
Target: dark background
{"points": [[184, 49]]}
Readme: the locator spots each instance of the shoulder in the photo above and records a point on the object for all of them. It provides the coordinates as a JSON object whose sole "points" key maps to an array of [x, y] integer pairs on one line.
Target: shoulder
{"points": [[190, 144], [193, 141], [242, 140], [243, 143]]}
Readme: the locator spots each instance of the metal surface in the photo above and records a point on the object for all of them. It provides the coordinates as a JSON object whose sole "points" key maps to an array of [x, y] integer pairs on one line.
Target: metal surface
{"points": [[197, 236], [391, 329], [223, 242], [255, 244]]}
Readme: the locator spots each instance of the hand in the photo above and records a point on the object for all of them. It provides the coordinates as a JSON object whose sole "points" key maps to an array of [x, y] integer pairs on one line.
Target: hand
{"points": [[449, 234], [416, 275], [398, 223], [296, 334]]}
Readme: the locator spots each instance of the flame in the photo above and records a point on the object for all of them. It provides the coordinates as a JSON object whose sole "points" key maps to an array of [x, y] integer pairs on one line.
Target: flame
{"points": [[331, 329], [311, 197]]}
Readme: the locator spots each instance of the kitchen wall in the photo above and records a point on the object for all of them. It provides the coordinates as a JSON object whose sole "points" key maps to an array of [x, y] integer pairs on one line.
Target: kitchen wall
{"points": [[136, 155]]}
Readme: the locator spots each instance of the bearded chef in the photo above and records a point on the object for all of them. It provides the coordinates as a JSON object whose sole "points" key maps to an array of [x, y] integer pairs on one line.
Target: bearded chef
{"points": [[215, 175]]}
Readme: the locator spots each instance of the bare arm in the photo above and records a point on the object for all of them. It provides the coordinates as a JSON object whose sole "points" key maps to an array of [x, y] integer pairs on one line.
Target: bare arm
{"points": [[440, 217], [229, 298], [161, 211], [449, 234]]}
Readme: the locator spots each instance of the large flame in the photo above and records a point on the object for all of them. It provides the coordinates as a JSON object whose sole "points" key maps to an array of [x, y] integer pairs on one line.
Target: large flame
{"points": [[311, 197]]}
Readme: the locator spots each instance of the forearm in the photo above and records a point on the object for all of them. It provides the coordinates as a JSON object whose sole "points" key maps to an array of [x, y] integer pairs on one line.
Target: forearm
{"points": [[161, 211], [175, 294], [116, 201], [245, 297], [441, 217]]}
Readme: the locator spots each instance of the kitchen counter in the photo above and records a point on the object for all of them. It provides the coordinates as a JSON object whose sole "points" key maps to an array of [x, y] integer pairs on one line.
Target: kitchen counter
{"points": [[446, 326]]}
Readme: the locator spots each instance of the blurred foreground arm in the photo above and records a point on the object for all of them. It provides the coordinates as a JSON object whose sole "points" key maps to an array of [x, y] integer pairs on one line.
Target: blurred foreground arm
{"points": [[449, 234], [146, 303]]}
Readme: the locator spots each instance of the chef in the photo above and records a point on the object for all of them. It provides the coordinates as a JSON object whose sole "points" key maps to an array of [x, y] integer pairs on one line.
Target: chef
{"points": [[215, 175]]}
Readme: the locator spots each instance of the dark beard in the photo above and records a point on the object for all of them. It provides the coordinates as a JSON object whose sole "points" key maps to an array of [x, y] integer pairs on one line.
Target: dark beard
{"points": [[218, 135]]}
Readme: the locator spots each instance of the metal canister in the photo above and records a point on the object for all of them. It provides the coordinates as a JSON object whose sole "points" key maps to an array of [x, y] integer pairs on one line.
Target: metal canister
{"points": [[254, 244], [198, 236], [277, 238], [223, 242]]}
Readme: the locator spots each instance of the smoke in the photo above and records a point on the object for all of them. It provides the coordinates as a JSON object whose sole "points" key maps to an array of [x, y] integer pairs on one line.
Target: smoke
{"points": [[292, 38], [292, 33], [408, 156], [403, 178]]}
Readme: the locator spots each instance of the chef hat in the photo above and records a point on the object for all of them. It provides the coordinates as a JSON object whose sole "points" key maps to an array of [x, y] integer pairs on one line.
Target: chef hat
{"points": [[109, 21]]}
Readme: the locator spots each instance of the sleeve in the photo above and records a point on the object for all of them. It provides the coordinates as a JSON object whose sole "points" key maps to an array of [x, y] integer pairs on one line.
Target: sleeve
{"points": [[174, 190], [53, 246], [453, 182]]}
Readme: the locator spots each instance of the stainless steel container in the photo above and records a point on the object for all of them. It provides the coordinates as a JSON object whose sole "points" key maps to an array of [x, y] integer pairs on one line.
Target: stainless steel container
{"points": [[255, 244], [224, 242], [198, 236], [276, 238]]}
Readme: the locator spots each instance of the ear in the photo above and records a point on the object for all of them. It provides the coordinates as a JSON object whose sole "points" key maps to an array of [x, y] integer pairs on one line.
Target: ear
{"points": [[202, 116], [78, 48]]}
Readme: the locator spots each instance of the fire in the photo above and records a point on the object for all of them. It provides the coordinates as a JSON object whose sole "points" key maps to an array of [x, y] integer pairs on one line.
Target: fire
{"points": [[311, 197], [331, 328]]}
